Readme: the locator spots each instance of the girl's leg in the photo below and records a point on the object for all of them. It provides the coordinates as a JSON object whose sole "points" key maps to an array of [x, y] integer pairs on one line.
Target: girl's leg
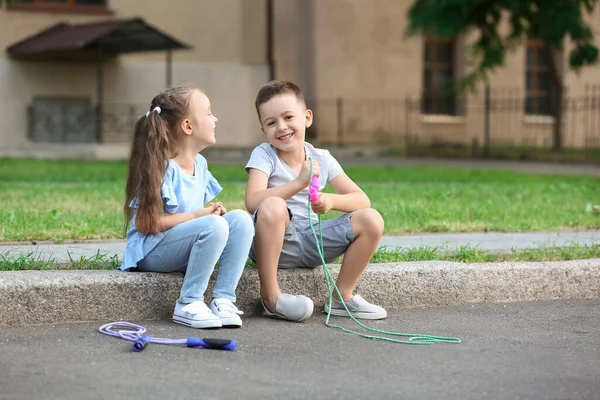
{"points": [[367, 226], [192, 247], [235, 254]]}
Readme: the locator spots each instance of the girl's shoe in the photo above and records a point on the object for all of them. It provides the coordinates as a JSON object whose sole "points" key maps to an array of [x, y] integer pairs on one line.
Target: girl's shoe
{"points": [[195, 315], [227, 312]]}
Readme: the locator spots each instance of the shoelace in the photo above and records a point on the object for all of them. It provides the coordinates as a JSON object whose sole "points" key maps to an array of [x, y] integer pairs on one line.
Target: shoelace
{"points": [[227, 306]]}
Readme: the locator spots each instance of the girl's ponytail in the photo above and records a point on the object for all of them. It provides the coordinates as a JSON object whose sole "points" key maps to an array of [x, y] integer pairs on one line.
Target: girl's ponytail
{"points": [[152, 147]]}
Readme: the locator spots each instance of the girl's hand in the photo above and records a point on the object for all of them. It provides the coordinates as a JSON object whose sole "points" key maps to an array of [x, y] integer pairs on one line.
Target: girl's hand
{"points": [[220, 210], [322, 205], [304, 175], [203, 212]]}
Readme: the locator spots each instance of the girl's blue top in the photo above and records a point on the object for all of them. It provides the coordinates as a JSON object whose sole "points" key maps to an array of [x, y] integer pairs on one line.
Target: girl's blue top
{"points": [[181, 193]]}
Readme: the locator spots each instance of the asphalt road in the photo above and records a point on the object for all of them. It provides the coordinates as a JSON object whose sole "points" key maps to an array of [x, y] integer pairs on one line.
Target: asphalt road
{"points": [[537, 350]]}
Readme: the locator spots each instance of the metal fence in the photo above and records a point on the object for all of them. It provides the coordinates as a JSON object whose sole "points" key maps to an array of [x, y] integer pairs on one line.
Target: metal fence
{"points": [[72, 120], [496, 115]]}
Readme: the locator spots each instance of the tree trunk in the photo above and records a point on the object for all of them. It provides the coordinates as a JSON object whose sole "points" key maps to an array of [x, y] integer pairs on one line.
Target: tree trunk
{"points": [[556, 100], [557, 142]]}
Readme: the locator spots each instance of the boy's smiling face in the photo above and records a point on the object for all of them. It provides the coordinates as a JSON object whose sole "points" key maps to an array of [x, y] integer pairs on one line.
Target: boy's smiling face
{"points": [[284, 120]]}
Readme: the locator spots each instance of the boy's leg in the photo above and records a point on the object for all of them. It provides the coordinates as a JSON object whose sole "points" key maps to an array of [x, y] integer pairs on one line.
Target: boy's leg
{"points": [[271, 221], [367, 226], [274, 228], [356, 236]]}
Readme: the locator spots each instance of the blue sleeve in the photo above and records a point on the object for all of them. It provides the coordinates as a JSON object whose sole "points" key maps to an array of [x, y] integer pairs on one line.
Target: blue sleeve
{"points": [[261, 160], [212, 188], [168, 192]]}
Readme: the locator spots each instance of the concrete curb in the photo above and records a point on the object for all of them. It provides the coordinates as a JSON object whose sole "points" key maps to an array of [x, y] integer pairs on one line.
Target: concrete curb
{"points": [[36, 297]]}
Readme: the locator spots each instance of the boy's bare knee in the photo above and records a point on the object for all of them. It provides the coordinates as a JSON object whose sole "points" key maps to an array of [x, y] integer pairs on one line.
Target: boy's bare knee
{"points": [[273, 210], [369, 221]]}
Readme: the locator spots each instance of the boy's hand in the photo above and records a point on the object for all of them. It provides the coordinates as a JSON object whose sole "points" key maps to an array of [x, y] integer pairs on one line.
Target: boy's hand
{"points": [[322, 205], [304, 175]]}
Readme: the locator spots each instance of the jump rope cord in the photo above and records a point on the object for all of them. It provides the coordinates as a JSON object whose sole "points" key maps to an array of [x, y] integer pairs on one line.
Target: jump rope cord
{"points": [[413, 338], [137, 334], [133, 332]]}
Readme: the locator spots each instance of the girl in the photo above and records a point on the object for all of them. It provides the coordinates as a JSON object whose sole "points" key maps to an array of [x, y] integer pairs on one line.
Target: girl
{"points": [[170, 229]]}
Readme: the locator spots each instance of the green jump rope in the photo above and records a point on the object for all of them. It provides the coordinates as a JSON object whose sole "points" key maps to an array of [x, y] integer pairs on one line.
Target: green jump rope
{"points": [[411, 338]]}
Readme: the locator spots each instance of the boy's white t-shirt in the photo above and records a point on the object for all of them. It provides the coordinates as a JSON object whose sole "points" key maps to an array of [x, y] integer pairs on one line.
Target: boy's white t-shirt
{"points": [[266, 159]]}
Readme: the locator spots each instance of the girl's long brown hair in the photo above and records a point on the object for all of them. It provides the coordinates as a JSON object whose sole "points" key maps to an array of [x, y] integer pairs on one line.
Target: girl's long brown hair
{"points": [[153, 145]]}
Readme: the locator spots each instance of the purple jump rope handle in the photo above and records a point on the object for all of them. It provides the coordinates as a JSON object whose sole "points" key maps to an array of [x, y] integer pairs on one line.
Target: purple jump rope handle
{"points": [[217, 344], [312, 190]]}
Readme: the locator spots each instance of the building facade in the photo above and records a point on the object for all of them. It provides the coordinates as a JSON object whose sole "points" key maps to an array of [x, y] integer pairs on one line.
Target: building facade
{"points": [[364, 80], [227, 59], [371, 84]]}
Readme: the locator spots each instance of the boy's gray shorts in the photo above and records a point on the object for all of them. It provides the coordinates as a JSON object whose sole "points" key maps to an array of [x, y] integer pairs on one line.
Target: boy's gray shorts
{"points": [[299, 246]]}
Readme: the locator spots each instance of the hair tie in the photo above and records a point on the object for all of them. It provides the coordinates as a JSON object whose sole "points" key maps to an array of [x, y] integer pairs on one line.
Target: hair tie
{"points": [[157, 109]]}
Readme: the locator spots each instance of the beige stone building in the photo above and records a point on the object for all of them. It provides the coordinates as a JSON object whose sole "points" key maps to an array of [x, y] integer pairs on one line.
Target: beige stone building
{"points": [[49, 99], [365, 81], [370, 84]]}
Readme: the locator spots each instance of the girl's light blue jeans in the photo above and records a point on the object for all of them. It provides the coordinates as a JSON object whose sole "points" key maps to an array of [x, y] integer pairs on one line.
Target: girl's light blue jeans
{"points": [[195, 246]]}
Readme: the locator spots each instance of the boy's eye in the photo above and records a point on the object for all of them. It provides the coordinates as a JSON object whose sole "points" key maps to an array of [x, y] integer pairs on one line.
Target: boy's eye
{"points": [[289, 117], [270, 123]]}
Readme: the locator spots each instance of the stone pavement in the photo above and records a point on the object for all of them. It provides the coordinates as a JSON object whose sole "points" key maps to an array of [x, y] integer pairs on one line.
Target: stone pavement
{"points": [[535, 350], [494, 242]]}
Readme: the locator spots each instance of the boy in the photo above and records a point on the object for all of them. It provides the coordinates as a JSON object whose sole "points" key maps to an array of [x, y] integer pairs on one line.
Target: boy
{"points": [[277, 196]]}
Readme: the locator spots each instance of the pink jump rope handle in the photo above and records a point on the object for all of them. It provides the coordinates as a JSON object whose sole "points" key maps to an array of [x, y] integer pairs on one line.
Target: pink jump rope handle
{"points": [[312, 190]]}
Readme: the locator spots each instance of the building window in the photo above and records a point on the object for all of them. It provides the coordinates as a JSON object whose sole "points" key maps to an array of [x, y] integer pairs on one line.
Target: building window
{"points": [[538, 79], [84, 6], [438, 73]]}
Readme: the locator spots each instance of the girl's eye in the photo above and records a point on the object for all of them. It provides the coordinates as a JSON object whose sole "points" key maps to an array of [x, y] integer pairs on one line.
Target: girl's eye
{"points": [[289, 117], [271, 124]]}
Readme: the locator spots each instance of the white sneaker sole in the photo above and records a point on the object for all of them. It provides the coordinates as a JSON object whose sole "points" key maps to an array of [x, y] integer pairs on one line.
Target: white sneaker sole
{"points": [[357, 315], [193, 323], [231, 322]]}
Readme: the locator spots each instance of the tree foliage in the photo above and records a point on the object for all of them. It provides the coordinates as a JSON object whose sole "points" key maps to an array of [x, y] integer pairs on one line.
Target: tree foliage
{"points": [[551, 21]]}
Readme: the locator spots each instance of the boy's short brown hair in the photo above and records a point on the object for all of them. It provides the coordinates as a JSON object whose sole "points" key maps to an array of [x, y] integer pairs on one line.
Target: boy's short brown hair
{"points": [[276, 88]]}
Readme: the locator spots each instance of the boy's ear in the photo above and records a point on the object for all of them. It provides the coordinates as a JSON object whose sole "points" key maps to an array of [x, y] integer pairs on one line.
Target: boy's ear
{"points": [[186, 126], [309, 118]]}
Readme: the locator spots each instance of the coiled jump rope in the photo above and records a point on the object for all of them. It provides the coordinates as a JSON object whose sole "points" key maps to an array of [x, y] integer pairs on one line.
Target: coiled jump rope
{"points": [[412, 338], [137, 335]]}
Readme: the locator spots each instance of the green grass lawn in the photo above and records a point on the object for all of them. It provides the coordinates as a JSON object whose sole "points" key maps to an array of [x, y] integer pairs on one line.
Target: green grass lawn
{"points": [[58, 200]]}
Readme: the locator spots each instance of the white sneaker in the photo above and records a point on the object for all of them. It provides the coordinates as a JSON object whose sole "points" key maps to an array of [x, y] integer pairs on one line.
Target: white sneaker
{"points": [[359, 307], [227, 312], [196, 315], [291, 308]]}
